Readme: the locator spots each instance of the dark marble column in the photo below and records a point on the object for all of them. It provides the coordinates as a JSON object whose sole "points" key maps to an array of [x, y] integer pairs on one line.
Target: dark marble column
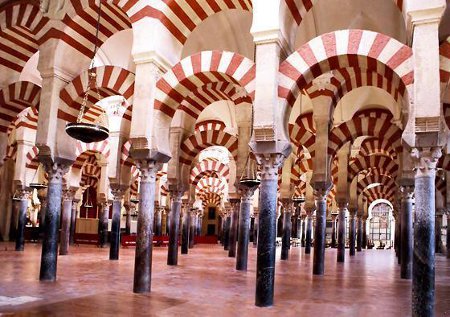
{"points": [[127, 206], [299, 227], [342, 205], [144, 239], [287, 226], [333, 231], [22, 197], [193, 219], [226, 241], [448, 233], [364, 230], [255, 228], [265, 258], [66, 217], [438, 226], [73, 221], [103, 224], [308, 232], [244, 228], [303, 221], [406, 232], [423, 288], [399, 236], [158, 221], [359, 234], [174, 225], [185, 231], [235, 203], [352, 232], [42, 195], [55, 172], [319, 234], [118, 192]]}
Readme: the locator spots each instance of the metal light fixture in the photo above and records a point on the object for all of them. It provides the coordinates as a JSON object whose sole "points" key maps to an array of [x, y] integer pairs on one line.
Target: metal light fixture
{"points": [[87, 204], [298, 199], [134, 200], [37, 185], [89, 132]]}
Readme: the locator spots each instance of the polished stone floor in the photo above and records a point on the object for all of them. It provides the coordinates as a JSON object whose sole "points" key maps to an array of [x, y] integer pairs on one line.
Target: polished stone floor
{"points": [[206, 284]]}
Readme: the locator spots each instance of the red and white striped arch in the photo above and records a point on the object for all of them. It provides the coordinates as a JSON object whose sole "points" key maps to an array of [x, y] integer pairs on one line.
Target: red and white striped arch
{"points": [[362, 49], [210, 199], [345, 80], [22, 26], [302, 133], [200, 69], [212, 184], [181, 17], [80, 25], [85, 150], [372, 124], [207, 168], [375, 145], [31, 158], [11, 152], [379, 192], [201, 140], [111, 81], [375, 177], [28, 119], [202, 97], [206, 125], [125, 157], [14, 99], [444, 62], [299, 8], [379, 162]]}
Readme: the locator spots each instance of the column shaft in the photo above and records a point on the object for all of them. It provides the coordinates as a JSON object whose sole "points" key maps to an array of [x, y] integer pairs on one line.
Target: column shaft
{"points": [[333, 231], [364, 232], [103, 225], [174, 227], [65, 225], [233, 229], [226, 241], [73, 222], [359, 235], [286, 238], [115, 226], [352, 236], [308, 233], [406, 235], [192, 219], [22, 206], [319, 236], [185, 233], [244, 230], [341, 235]]}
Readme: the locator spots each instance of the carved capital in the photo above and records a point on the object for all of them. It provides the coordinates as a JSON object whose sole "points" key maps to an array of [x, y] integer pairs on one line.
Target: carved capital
{"points": [[55, 171], [342, 204], [118, 191], [148, 169], [23, 194], [407, 192], [425, 160], [270, 164], [67, 194], [247, 195]]}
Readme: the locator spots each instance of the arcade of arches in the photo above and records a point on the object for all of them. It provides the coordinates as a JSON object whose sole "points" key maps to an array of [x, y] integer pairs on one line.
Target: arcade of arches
{"points": [[341, 106]]}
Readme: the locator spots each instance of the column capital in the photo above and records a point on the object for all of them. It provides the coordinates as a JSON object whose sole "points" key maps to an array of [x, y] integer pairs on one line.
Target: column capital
{"points": [[407, 191], [342, 204], [270, 164], [425, 160], [148, 169], [55, 170], [118, 191], [176, 193], [68, 194], [321, 190], [247, 194], [23, 193], [353, 212]]}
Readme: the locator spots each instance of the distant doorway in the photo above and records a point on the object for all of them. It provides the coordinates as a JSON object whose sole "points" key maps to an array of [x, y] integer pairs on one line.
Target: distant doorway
{"points": [[211, 230]]}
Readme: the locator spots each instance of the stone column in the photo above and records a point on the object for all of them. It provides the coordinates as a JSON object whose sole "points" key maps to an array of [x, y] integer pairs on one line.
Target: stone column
{"points": [[49, 255], [308, 233], [103, 224], [438, 226], [423, 289], [22, 198], [265, 258], [233, 228], [144, 239], [42, 195], [66, 217], [342, 205], [448, 233], [303, 221], [174, 225], [127, 206], [364, 233], [193, 219], [226, 241], [118, 192], [73, 221], [359, 234], [319, 234], [399, 236], [287, 227], [352, 232], [244, 228], [158, 221], [185, 233], [255, 229], [333, 231], [164, 221], [406, 232], [299, 226]]}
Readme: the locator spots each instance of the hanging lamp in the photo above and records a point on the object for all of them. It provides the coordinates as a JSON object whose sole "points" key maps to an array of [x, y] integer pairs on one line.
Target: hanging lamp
{"points": [[298, 199], [87, 204], [249, 177], [89, 132], [37, 186]]}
